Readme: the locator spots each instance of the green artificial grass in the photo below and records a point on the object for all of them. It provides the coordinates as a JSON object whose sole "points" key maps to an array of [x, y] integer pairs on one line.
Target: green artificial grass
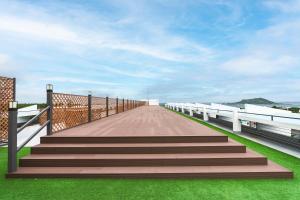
{"points": [[281, 189]]}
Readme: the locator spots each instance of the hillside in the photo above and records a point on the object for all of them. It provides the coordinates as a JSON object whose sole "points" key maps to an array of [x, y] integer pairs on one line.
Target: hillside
{"points": [[255, 101]]}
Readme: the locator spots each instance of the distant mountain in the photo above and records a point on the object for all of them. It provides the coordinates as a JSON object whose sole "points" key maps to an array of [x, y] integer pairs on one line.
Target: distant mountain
{"points": [[255, 101]]}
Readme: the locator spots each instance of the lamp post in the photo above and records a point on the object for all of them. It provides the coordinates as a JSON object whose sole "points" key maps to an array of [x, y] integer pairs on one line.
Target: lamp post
{"points": [[89, 106], [49, 88], [12, 136]]}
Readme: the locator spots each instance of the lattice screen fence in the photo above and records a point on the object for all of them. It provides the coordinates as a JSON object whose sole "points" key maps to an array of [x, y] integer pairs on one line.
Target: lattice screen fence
{"points": [[7, 93]]}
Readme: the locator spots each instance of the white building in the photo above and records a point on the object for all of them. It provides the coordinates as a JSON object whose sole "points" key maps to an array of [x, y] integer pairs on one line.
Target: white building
{"points": [[153, 102]]}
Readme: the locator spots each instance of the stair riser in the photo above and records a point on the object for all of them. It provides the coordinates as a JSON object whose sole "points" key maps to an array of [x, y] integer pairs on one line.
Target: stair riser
{"points": [[160, 139], [233, 175], [137, 150], [141, 162]]}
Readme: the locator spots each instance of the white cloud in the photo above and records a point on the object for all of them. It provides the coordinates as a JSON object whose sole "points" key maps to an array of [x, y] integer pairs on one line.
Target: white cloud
{"points": [[38, 29], [288, 6], [79, 80], [3, 59], [259, 64], [149, 40], [269, 51], [137, 73], [5, 64]]}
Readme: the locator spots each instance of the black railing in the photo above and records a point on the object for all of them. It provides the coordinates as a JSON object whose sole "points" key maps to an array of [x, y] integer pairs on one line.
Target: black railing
{"points": [[13, 132]]}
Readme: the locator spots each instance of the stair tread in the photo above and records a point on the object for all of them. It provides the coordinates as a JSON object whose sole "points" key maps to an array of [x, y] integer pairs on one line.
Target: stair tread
{"points": [[248, 154], [208, 137], [271, 167], [229, 143], [212, 134]]}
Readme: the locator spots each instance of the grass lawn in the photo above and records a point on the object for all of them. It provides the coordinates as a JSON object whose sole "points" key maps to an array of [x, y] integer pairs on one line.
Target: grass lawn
{"points": [[157, 189]]}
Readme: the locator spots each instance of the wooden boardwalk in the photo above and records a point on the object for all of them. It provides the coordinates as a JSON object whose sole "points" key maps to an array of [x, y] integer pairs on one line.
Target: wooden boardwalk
{"points": [[147, 142], [142, 121]]}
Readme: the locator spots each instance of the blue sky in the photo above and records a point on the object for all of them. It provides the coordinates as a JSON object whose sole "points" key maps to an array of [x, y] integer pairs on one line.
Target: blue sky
{"points": [[201, 50]]}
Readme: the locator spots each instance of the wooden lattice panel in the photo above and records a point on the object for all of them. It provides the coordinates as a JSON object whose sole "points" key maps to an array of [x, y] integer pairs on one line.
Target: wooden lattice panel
{"points": [[98, 108], [120, 108], [125, 105], [7, 93], [141, 103], [69, 111], [112, 106]]}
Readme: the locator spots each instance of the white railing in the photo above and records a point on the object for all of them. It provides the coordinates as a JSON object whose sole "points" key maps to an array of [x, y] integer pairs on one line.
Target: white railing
{"points": [[238, 117]]}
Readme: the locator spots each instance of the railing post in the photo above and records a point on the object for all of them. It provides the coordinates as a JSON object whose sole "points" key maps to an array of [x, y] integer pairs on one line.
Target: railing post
{"points": [[90, 106], [236, 123], [117, 105], [12, 136], [127, 105], [106, 106], [191, 111], [182, 109], [123, 104], [49, 88], [205, 115]]}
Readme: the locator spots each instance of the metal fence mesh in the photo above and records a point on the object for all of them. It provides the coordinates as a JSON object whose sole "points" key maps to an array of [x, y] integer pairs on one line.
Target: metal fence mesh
{"points": [[7, 93]]}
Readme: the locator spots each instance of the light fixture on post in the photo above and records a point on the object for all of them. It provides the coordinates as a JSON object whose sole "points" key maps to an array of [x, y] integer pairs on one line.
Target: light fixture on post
{"points": [[49, 87], [13, 105]]}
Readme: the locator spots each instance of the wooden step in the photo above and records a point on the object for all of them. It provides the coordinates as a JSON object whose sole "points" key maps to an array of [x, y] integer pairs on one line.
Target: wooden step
{"points": [[255, 171], [139, 148], [133, 139], [108, 160]]}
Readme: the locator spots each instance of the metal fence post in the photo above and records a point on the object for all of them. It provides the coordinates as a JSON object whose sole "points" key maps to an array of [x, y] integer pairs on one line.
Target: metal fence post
{"points": [[117, 105], [90, 107], [12, 136], [49, 89], [106, 106], [123, 104], [14, 88]]}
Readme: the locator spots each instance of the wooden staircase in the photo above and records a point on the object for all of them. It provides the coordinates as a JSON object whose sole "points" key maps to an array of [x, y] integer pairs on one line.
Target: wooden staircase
{"points": [[204, 156]]}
